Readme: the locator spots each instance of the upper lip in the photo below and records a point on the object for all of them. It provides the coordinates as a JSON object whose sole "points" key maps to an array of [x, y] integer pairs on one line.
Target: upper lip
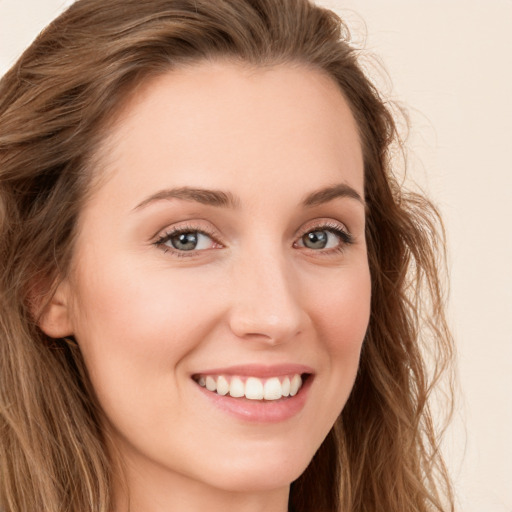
{"points": [[257, 370]]}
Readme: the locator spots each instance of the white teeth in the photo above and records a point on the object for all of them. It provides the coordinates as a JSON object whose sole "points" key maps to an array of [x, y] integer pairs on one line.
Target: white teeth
{"points": [[222, 386], [254, 388], [295, 385], [211, 383], [272, 389], [286, 387], [236, 388]]}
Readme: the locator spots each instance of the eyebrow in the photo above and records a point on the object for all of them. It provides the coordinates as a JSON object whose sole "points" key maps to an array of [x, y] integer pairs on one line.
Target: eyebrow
{"points": [[199, 195], [327, 194], [223, 199]]}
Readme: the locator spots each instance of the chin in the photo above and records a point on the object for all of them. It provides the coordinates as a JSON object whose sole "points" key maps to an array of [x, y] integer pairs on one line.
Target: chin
{"points": [[275, 470]]}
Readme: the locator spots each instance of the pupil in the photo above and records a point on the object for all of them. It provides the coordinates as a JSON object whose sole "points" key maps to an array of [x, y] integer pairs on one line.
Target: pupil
{"points": [[315, 239], [185, 241]]}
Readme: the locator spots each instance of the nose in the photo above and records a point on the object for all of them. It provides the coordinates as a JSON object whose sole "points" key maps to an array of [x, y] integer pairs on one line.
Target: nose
{"points": [[266, 302]]}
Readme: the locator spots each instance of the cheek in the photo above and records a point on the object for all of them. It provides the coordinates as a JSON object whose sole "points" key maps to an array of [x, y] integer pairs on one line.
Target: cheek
{"points": [[342, 311], [127, 302], [135, 325], [135, 329], [342, 314]]}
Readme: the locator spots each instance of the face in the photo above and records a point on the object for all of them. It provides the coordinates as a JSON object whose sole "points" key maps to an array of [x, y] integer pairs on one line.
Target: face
{"points": [[224, 254]]}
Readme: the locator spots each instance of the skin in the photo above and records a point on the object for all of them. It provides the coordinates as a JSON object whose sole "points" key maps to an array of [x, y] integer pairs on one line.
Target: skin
{"points": [[148, 317]]}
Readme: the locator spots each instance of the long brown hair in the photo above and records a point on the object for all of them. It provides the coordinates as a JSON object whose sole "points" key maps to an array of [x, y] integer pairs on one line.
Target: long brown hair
{"points": [[56, 106]]}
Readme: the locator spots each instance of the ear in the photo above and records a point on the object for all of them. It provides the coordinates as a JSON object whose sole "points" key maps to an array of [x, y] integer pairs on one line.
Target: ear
{"points": [[55, 318]]}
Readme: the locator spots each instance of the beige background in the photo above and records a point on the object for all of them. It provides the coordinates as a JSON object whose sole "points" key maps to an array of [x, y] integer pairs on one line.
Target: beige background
{"points": [[450, 62]]}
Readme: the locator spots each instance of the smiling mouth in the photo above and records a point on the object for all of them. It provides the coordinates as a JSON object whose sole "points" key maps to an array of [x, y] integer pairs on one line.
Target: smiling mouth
{"points": [[253, 388]]}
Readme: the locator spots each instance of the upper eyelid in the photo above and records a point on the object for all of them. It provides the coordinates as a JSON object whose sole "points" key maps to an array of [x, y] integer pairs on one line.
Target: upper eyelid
{"points": [[317, 224], [187, 226], [309, 226], [341, 232]]}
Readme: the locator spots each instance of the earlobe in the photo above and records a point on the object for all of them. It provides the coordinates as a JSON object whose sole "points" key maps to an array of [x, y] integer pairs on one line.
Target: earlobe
{"points": [[55, 317]]}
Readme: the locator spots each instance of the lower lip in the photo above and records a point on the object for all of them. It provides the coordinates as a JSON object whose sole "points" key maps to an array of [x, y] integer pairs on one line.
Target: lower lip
{"points": [[260, 411]]}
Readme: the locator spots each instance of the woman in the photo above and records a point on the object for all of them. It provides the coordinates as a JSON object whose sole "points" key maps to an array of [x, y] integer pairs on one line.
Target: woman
{"points": [[214, 292]]}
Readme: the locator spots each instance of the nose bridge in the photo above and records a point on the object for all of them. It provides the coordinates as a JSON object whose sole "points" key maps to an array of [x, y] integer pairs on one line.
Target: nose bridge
{"points": [[266, 303]]}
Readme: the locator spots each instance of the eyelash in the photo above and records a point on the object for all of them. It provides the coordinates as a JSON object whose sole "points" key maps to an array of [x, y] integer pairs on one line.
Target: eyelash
{"points": [[345, 237]]}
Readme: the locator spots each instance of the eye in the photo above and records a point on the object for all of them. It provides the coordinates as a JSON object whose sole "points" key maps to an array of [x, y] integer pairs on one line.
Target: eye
{"points": [[325, 238], [186, 240]]}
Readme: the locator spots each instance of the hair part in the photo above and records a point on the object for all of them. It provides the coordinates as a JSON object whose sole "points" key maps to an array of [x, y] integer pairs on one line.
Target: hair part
{"points": [[57, 105]]}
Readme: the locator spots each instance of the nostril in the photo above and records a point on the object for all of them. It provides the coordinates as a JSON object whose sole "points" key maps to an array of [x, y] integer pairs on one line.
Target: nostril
{"points": [[269, 329]]}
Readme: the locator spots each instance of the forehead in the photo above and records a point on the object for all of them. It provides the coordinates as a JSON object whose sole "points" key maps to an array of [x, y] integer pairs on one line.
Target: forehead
{"points": [[234, 124]]}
